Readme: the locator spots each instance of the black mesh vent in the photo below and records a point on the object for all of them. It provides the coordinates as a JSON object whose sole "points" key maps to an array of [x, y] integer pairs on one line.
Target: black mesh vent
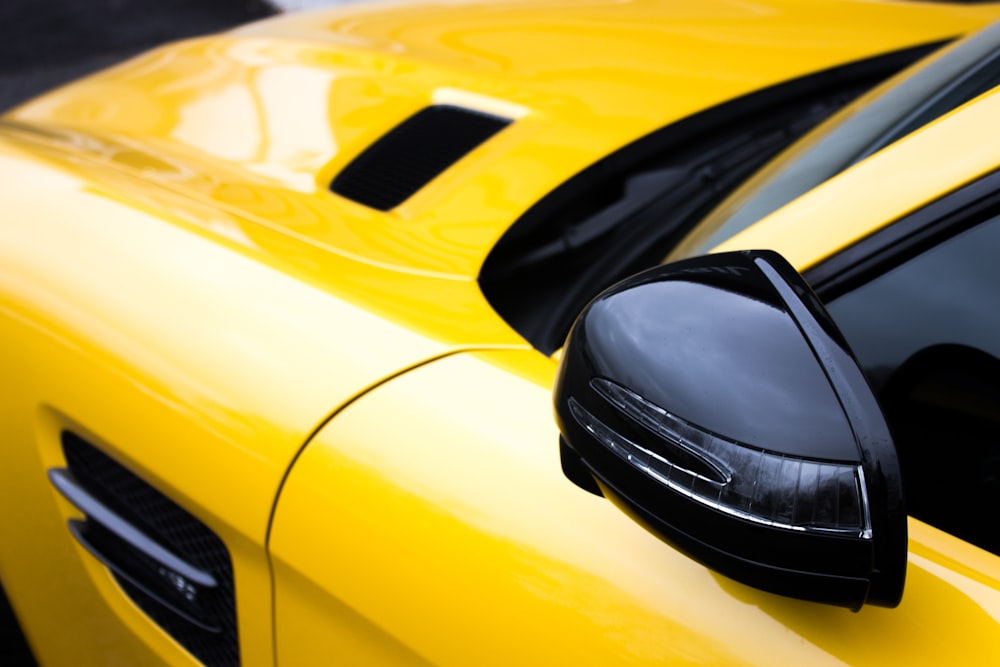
{"points": [[413, 153], [176, 530]]}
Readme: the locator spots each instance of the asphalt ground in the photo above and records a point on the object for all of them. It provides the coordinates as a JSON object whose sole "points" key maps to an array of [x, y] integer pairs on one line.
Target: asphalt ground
{"points": [[44, 43]]}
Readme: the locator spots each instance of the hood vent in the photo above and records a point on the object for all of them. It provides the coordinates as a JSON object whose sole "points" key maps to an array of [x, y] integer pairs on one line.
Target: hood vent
{"points": [[413, 153]]}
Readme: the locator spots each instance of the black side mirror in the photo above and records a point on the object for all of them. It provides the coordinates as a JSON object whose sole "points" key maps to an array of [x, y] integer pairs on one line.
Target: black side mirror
{"points": [[716, 402]]}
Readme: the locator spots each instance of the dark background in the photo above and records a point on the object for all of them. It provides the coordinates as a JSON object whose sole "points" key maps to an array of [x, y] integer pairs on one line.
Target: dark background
{"points": [[47, 42]]}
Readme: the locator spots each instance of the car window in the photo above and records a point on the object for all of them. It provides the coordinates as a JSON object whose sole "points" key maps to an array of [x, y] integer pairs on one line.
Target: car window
{"points": [[916, 97], [926, 334]]}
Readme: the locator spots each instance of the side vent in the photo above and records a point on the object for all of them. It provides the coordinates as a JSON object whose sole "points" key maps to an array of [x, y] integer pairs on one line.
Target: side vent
{"points": [[171, 565], [413, 153]]}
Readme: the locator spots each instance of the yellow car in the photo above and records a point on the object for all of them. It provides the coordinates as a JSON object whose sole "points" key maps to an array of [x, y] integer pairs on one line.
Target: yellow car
{"points": [[287, 370]]}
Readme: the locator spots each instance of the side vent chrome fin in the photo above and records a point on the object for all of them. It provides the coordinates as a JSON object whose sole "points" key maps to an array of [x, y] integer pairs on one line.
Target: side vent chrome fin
{"points": [[64, 482], [84, 534], [131, 555]]}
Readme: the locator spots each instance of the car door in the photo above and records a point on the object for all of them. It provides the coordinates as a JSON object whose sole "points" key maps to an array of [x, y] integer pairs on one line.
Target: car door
{"points": [[430, 522], [917, 304]]}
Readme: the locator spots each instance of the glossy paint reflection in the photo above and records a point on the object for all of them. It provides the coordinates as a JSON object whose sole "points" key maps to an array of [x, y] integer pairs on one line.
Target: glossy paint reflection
{"points": [[721, 353], [448, 531], [273, 111], [446, 522]]}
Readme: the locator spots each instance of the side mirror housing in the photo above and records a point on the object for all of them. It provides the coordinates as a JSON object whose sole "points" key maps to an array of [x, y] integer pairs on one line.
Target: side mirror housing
{"points": [[715, 402]]}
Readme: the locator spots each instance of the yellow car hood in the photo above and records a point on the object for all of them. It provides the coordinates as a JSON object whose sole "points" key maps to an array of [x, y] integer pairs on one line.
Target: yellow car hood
{"points": [[258, 121]]}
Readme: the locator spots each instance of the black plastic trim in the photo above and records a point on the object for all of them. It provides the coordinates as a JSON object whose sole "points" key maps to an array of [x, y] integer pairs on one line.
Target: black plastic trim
{"points": [[906, 238], [576, 470], [412, 154], [878, 452], [767, 573]]}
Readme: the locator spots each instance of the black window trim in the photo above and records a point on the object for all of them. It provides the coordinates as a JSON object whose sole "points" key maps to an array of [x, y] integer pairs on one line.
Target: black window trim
{"points": [[965, 209], [906, 238]]}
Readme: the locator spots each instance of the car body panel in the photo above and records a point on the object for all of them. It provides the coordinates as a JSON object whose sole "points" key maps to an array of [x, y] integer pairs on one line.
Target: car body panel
{"points": [[259, 120], [437, 528], [172, 373], [168, 231]]}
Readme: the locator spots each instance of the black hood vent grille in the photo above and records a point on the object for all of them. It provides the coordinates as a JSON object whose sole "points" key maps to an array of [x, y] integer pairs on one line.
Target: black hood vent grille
{"points": [[413, 153]]}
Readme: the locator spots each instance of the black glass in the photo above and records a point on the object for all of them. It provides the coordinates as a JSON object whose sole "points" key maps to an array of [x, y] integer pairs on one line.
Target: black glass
{"points": [[926, 334]]}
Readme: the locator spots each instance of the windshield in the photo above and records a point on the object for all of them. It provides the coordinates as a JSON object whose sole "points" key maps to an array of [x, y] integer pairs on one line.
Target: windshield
{"points": [[893, 110]]}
